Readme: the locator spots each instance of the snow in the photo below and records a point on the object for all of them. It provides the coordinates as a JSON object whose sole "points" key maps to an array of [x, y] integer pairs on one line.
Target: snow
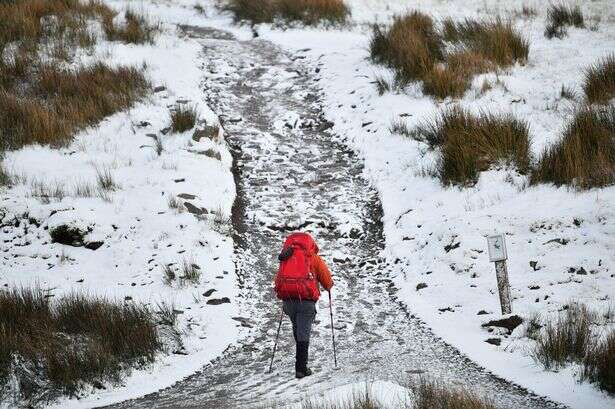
{"points": [[139, 229], [421, 217], [383, 393]]}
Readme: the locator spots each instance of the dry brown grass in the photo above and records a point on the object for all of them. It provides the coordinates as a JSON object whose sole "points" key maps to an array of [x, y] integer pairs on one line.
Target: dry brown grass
{"points": [[559, 16], [61, 101], [414, 48], [472, 143], [411, 46], [136, 29], [430, 394], [585, 155], [42, 102], [599, 82], [53, 347], [496, 41], [183, 118], [599, 363], [309, 12]]}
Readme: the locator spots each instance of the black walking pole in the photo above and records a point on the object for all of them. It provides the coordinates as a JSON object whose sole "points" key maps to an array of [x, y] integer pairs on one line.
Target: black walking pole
{"points": [[332, 332], [275, 345]]}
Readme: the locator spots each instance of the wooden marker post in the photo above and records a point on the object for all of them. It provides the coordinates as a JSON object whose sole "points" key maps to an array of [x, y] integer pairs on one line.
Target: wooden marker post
{"points": [[497, 253]]}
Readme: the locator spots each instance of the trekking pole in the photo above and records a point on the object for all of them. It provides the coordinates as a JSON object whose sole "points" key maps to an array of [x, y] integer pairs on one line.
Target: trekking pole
{"points": [[275, 345], [332, 332]]}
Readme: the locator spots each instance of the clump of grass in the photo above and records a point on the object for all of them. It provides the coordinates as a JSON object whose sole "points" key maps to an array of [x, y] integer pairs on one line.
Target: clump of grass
{"points": [[175, 204], [400, 127], [472, 143], [62, 101], [496, 41], [309, 12], [183, 118], [415, 49], [599, 363], [585, 155], [567, 339], [191, 272], [559, 16], [168, 274], [411, 46], [383, 85], [430, 394], [105, 180], [599, 82], [59, 346], [136, 28]]}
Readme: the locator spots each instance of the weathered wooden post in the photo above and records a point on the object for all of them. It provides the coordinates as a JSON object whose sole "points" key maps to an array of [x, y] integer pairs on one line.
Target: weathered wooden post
{"points": [[497, 253]]}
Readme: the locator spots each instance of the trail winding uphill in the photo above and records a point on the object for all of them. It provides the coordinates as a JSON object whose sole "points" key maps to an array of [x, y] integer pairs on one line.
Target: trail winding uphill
{"points": [[291, 173]]}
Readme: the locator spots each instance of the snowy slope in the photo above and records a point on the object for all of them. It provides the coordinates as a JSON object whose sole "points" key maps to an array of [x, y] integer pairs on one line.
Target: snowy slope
{"points": [[140, 231]]}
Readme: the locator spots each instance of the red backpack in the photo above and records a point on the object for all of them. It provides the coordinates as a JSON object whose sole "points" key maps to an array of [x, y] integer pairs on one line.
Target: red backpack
{"points": [[295, 280]]}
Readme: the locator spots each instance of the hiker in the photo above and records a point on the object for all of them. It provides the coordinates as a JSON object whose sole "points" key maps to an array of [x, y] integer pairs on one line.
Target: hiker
{"points": [[296, 284]]}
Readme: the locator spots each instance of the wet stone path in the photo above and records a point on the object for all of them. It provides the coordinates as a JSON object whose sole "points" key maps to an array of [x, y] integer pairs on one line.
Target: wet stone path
{"points": [[290, 174]]}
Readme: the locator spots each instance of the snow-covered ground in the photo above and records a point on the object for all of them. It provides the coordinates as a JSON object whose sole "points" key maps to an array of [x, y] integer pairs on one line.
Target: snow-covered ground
{"points": [[140, 231], [434, 234]]}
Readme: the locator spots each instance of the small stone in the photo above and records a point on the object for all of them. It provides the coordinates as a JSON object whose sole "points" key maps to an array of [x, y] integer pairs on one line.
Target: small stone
{"points": [[482, 312], [128, 298], [179, 180], [218, 301], [160, 88], [209, 292], [186, 196], [534, 287], [494, 341], [509, 323], [94, 245], [193, 209], [420, 286], [534, 265]]}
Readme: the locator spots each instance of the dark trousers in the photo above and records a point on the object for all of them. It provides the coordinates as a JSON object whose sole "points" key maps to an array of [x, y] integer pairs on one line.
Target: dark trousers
{"points": [[301, 314]]}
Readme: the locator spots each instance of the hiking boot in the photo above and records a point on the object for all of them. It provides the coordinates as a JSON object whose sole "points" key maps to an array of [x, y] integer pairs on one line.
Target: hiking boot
{"points": [[303, 374]]}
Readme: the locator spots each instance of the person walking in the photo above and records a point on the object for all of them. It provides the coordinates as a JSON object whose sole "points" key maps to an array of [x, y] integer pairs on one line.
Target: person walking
{"points": [[297, 285]]}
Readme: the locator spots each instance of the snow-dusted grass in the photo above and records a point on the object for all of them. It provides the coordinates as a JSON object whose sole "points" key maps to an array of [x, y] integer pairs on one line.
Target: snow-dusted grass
{"points": [[52, 347], [135, 29], [599, 84], [471, 144], [183, 118], [445, 58], [560, 16], [306, 11], [585, 155]]}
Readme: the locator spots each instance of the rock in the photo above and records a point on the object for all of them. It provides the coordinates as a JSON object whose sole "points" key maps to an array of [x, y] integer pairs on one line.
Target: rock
{"points": [[449, 309], [179, 180], [452, 246], [509, 323], [143, 124], [193, 209], [420, 286], [94, 245], [209, 292], [534, 265], [218, 301], [534, 287], [561, 241], [482, 312], [128, 298], [69, 235], [581, 271], [494, 341], [166, 130], [186, 196], [160, 88]]}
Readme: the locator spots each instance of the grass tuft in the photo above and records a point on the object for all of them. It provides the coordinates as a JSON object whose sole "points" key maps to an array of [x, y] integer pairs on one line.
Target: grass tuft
{"points": [[585, 155], [559, 16], [430, 394], [472, 143], [183, 118], [136, 28], [599, 363], [309, 12], [599, 82], [565, 340], [54, 348]]}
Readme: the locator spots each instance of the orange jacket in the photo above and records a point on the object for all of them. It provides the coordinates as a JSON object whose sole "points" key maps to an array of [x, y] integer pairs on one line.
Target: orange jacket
{"points": [[323, 275]]}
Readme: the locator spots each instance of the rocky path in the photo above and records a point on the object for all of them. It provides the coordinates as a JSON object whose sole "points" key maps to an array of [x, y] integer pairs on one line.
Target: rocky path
{"points": [[292, 174]]}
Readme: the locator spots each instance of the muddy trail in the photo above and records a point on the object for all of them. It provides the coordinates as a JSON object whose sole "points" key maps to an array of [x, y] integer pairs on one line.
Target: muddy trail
{"points": [[291, 174]]}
